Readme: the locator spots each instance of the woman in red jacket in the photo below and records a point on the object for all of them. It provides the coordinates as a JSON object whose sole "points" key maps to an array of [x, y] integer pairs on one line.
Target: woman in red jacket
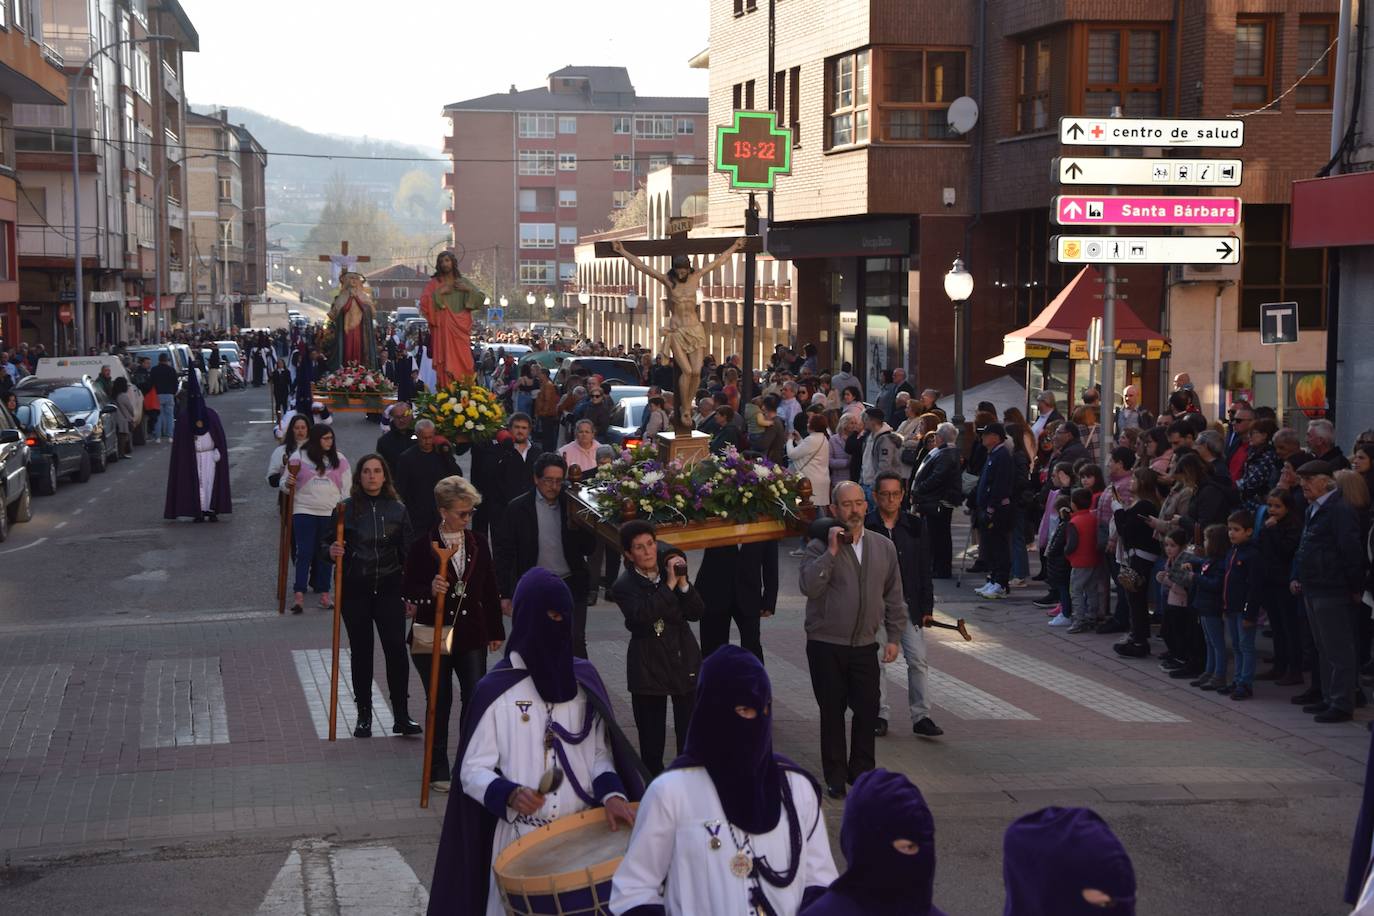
{"points": [[472, 608]]}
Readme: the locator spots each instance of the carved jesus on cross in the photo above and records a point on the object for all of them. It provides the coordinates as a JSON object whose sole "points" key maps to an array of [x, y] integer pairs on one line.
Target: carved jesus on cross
{"points": [[684, 339]]}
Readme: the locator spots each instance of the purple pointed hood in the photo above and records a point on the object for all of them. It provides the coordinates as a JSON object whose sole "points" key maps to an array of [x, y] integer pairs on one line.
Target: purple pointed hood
{"points": [[545, 645], [884, 807], [736, 752], [1058, 861]]}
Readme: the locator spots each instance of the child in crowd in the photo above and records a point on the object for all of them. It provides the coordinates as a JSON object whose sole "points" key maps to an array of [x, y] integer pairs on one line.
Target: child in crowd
{"points": [[1085, 562], [1177, 617], [1240, 601], [1206, 581], [1056, 561]]}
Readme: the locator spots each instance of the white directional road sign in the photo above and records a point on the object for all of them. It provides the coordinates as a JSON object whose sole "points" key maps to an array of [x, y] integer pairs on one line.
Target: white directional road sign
{"points": [[1135, 249], [1163, 173], [1081, 131]]}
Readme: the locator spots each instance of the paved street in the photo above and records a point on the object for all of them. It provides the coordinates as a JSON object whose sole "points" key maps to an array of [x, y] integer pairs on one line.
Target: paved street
{"points": [[161, 732]]}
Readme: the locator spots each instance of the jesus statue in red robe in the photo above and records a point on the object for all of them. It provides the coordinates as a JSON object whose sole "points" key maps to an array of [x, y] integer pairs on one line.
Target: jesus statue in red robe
{"points": [[447, 304]]}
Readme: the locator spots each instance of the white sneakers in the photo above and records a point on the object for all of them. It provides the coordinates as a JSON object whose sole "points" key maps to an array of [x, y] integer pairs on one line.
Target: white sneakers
{"points": [[991, 590], [1061, 621]]}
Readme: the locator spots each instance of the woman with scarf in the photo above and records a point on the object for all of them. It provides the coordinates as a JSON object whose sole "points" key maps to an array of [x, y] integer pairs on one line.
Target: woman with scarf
{"points": [[730, 827], [888, 838]]}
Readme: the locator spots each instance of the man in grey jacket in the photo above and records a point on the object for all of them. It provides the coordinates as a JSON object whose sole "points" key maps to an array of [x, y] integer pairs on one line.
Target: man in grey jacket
{"points": [[853, 589]]}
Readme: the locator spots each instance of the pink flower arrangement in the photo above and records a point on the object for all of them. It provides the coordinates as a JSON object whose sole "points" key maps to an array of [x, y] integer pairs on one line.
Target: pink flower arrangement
{"points": [[354, 379]]}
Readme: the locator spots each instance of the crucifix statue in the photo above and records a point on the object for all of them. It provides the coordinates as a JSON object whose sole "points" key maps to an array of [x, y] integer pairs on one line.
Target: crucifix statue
{"points": [[684, 339], [338, 263]]}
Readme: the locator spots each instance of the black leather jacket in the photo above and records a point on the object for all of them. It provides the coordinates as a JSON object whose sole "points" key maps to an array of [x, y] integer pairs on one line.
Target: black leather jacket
{"points": [[376, 532]]}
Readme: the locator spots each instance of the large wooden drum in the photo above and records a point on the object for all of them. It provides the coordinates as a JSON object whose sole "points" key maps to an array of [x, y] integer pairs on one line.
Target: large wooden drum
{"points": [[563, 869]]}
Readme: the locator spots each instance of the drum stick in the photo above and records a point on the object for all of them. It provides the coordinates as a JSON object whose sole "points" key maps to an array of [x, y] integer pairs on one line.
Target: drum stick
{"points": [[338, 603], [959, 626], [444, 554]]}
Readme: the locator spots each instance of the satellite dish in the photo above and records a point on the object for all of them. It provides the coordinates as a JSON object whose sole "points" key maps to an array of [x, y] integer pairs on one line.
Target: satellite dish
{"points": [[963, 114]]}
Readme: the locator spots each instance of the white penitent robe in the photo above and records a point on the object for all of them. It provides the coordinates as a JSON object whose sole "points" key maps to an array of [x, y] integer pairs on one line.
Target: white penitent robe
{"points": [[503, 740], [426, 367], [207, 456], [671, 864]]}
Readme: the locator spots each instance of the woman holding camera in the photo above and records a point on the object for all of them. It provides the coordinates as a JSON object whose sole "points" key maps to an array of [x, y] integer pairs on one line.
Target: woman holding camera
{"points": [[663, 658], [376, 531]]}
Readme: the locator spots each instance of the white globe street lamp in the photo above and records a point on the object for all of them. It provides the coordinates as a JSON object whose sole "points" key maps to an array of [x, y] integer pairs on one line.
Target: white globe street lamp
{"points": [[583, 297], [959, 289]]}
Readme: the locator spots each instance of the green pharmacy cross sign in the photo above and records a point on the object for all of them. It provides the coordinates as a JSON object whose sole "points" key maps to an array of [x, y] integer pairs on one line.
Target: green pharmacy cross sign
{"points": [[753, 151]]}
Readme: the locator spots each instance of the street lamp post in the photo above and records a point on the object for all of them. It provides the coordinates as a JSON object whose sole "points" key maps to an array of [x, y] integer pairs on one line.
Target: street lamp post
{"points": [[631, 302], [76, 179], [959, 288]]}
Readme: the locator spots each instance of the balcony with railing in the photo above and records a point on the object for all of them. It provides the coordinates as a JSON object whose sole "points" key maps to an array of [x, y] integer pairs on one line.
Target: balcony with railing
{"points": [[171, 83]]}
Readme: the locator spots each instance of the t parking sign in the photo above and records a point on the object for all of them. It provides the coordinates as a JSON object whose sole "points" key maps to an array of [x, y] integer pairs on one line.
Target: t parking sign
{"points": [[1278, 323]]}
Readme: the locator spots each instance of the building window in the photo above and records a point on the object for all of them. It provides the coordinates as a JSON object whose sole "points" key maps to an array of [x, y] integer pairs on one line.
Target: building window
{"points": [[621, 162], [657, 162], [567, 162], [1253, 80], [620, 124], [535, 125], [917, 87], [567, 235], [536, 235], [567, 271], [537, 273], [686, 126], [567, 125], [620, 199], [226, 232], [684, 159], [1273, 272], [654, 127], [737, 96], [400, 292], [22, 14], [536, 162], [1315, 36], [567, 197], [1033, 86], [1125, 67], [226, 189], [847, 111], [794, 106], [536, 200]]}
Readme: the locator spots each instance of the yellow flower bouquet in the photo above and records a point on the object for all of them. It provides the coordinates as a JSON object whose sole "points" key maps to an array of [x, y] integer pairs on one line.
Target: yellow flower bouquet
{"points": [[462, 410]]}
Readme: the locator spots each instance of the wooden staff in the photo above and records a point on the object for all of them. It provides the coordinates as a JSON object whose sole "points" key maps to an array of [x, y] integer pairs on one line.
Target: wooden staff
{"points": [[338, 602], [284, 535], [958, 625], [445, 554]]}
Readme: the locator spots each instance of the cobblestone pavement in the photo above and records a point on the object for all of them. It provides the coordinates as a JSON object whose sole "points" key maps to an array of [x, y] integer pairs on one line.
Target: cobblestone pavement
{"points": [[187, 725]]}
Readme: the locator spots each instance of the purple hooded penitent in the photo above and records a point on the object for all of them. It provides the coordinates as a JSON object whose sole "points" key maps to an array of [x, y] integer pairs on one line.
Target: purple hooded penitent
{"points": [[735, 751], [1066, 862], [462, 865], [183, 480], [880, 880]]}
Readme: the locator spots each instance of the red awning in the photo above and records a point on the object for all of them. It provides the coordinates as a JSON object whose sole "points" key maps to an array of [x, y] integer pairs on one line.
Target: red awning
{"points": [[1332, 212], [1064, 323]]}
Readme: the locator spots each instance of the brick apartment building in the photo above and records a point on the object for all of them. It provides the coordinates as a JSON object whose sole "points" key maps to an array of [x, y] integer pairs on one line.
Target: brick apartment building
{"points": [[397, 285], [130, 117], [883, 196], [536, 169]]}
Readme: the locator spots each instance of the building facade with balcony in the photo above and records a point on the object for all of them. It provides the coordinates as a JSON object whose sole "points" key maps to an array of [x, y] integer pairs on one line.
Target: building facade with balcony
{"points": [[122, 118], [31, 73], [883, 195], [535, 170], [253, 171], [217, 222]]}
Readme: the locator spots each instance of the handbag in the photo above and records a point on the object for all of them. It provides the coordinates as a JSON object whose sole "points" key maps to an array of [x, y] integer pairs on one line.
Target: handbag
{"points": [[422, 639], [1129, 579]]}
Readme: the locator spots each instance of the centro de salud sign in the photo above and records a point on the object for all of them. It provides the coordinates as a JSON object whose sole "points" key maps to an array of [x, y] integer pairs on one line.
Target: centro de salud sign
{"points": [[753, 151]]}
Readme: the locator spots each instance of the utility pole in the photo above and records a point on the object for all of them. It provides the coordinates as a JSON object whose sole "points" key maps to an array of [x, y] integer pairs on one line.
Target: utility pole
{"points": [[1107, 403]]}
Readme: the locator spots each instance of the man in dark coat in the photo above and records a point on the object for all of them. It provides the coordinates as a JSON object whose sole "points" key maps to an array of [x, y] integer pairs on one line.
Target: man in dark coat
{"points": [[418, 469], [908, 534], [536, 529], [398, 436], [739, 583], [538, 680], [937, 486], [994, 511], [502, 470], [198, 473]]}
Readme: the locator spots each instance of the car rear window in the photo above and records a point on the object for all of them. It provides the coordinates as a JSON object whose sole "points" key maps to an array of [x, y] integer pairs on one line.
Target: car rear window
{"points": [[608, 368], [72, 399]]}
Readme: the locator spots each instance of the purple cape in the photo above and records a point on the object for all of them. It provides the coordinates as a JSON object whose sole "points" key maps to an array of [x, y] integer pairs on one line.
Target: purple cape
{"points": [[1364, 833], [183, 481], [462, 867]]}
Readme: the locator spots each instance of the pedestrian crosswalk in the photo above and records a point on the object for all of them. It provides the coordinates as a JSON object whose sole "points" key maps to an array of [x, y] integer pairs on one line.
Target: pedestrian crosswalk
{"points": [[312, 670], [318, 878]]}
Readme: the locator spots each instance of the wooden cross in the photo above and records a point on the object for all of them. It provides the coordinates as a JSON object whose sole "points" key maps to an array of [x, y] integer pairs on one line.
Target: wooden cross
{"points": [[680, 244], [343, 260]]}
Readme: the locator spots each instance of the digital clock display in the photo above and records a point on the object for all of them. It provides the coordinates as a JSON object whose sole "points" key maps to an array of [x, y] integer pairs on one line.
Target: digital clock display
{"points": [[753, 150], [766, 150]]}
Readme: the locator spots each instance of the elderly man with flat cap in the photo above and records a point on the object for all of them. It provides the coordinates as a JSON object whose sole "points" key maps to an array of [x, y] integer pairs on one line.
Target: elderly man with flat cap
{"points": [[1328, 574]]}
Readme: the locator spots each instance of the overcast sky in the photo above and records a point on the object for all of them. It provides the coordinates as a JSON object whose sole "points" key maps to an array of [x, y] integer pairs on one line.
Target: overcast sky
{"points": [[386, 69]]}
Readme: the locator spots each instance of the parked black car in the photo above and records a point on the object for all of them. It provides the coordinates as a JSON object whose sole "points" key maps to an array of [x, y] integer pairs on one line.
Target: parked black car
{"points": [[57, 447], [15, 498], [86, 406]]}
